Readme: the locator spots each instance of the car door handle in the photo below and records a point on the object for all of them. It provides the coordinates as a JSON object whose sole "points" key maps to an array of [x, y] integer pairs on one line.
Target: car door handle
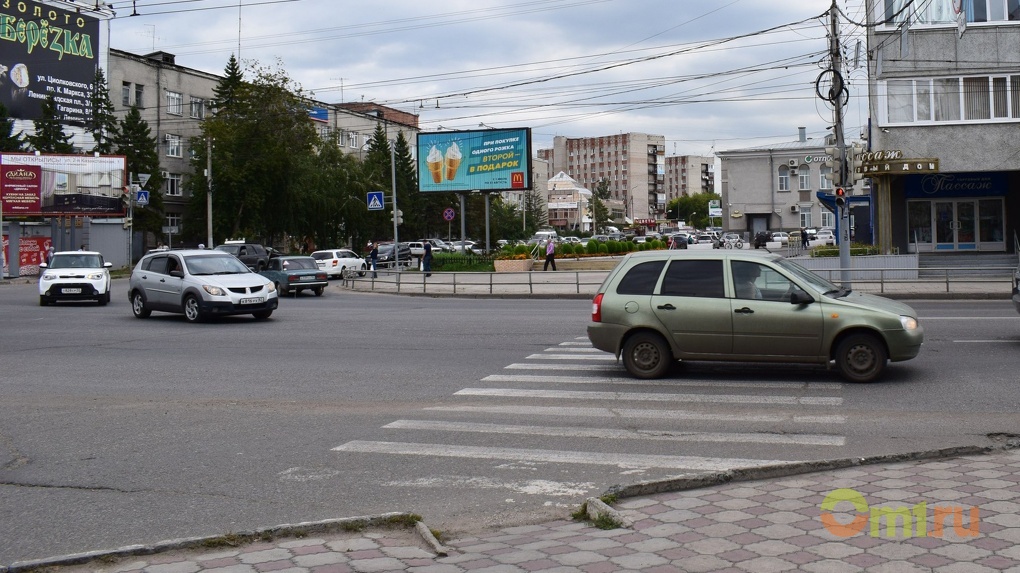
{"points": [[744, 310], [666, 306], [162, 280]]}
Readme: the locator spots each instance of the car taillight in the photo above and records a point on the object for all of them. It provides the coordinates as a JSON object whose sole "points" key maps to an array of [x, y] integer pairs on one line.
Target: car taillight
{"points": [[596, 308], [321, 276]]}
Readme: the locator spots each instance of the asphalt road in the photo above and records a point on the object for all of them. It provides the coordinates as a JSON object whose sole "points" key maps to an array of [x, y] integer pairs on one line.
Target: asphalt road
{"points": [[470, 412]]}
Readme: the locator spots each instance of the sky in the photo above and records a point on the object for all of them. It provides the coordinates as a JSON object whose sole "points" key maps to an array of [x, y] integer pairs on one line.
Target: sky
{"points": [[709, 75]]}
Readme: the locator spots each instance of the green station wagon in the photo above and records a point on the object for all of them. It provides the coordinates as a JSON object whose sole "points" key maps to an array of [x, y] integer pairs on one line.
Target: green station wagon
{"points": [[658, 307]]}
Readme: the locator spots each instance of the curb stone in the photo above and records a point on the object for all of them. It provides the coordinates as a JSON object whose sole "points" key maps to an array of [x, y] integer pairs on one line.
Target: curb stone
{"points": [[189, 543], [703, 480], [596, 507]]}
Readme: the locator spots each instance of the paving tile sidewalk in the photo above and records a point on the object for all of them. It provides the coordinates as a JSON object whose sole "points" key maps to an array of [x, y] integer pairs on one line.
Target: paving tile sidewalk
{"points": [[971, 523]]}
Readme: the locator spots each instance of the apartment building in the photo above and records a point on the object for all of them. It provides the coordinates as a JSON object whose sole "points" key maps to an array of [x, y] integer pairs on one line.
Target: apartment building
{"points": [[174, 100], [634, 165], [689, 175], [945, 88]]}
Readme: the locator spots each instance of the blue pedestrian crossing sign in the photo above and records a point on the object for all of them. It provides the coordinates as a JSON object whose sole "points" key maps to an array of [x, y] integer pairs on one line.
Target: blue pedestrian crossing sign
{"points": [[375, 201], [142, 197]]}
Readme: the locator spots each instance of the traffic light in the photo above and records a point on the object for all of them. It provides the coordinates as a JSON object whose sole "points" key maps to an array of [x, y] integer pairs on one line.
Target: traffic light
{"points": [[835, 162], [840, 197], [127, 222], [398, 217], [853, 158]]}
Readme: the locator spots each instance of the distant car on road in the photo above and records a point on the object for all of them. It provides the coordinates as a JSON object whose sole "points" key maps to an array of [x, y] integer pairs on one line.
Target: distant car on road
{"points": [[825, 237], [75, 275], [293, 274], [761, 238], [199, 284], [707, 239], [336, 261], [252, 254], [781, 237]]}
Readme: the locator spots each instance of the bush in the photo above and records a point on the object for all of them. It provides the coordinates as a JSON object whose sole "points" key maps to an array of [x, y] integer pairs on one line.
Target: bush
{"points": [[522, 250], [856, 249], [603, 249], [592, 247]]}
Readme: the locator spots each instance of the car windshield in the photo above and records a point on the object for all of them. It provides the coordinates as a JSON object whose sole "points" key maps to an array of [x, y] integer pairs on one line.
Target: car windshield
{"points": [[76, 261], [817, 283], [302, 263], [214, 265]]}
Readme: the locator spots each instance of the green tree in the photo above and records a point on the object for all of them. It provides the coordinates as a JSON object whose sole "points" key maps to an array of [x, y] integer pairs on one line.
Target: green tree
{"points": [[599, 210], [225, 92], [49, 134], [134, 140], [9, 141], [103, 124]]}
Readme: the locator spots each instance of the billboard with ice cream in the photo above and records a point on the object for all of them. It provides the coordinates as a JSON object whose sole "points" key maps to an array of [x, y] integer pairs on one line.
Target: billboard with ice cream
{"points": [[484, 160]]}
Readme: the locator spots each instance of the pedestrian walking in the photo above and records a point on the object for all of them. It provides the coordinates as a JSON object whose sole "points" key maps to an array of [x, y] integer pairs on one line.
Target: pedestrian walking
{"points": [[426, 260], [803, 237], [373, 256], [550, 255]]}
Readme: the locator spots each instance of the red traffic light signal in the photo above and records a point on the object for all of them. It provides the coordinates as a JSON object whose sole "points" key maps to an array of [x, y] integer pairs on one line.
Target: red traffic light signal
{"points": [[840, 196]]}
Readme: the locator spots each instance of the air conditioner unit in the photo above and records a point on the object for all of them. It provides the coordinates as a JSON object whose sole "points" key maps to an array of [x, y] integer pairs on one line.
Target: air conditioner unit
{"points": [[793, 163], [794, 208], [168, 137], [793, 172]]}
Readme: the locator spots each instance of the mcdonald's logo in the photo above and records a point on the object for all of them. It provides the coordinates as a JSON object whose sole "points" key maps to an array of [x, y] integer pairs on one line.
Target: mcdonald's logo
{"points": [[517, 180]]}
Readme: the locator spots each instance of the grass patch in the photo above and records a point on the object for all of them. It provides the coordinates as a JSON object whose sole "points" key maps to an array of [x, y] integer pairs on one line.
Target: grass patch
{"points": [[609, 499], [581, 514], [606, 521], [227, 540]]}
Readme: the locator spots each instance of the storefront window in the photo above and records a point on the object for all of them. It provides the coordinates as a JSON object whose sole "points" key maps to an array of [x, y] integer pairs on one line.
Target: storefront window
{"points": [[990, 213], [919, 221]]}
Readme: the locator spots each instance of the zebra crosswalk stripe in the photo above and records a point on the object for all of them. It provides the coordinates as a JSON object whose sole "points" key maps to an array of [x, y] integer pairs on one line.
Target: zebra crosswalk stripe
{"points": [[645, 413], [652, 397], [631, 381]]}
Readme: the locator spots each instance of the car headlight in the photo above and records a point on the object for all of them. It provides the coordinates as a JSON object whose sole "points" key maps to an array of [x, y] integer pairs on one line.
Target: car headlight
{"points": [[909, 323], [271, 287], [214, 290], [48, 277], [95, 276]]}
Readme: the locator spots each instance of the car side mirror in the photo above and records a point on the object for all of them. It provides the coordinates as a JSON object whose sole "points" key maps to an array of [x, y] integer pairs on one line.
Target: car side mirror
{"points": [[798, 296], [177, 273], [107, 265], [43, 265]]}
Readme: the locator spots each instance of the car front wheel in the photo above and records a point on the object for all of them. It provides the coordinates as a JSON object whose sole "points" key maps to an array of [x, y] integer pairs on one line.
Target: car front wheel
{"points": [[43, 301], [262, 315], [647, 355], [138, 306], [861, 357], [192, 310]]}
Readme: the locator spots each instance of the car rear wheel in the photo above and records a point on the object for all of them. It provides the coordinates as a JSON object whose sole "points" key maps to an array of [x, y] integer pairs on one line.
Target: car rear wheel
{"points": [[192, 310], [861, 357], [363, 271], [138, 306], [319, 290], [647, 355]]}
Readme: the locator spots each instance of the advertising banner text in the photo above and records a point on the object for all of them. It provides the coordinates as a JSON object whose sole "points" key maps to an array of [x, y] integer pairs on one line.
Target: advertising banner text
{"points": [[487, 160]]}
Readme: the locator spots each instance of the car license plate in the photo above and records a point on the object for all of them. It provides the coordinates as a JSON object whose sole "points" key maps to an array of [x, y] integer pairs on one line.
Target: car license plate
{"points": [[252, 300], [71, 290], [308, 278]]}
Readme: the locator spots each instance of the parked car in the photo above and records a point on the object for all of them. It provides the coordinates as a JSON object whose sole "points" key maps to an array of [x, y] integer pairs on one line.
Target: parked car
{"points": [[761, 238], [707, 239], [417, 248], [678, 241], [657, 307], [386, 258], [468, 246], [199, 284], [824, 237], [781, 237], [600, 238], [293, 274], [75, 275], [336, 261], [252, 254]]}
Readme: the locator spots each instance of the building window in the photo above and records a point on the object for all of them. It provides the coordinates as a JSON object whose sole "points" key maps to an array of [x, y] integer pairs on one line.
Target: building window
{"points": [[804, 178], [125, 94], [943, 12], [197, 108], [823, 181], [173, 145], [805, 217], [828, 218], [173, 184], [352, 139], [173, 221], [139, 100], [784, 178], [174, 103], [943, 100]]}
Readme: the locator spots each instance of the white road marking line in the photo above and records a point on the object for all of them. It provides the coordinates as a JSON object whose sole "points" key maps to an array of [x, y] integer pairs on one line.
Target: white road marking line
{"points": [[635, 382], [577, 367], [581, 344], [644, 413], [603, 356], [650, 397], [987, 341], [588, 349], [969, 318], [614, 434], [632, 461]]}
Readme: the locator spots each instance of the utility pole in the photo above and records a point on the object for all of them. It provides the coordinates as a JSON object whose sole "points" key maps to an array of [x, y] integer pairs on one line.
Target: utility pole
{"points": [[208, 196], [842, 211]]}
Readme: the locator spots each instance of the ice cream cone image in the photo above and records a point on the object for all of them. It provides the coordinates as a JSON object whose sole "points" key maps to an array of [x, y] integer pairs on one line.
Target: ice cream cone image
{"points": [[452, 161], [435, 163]]}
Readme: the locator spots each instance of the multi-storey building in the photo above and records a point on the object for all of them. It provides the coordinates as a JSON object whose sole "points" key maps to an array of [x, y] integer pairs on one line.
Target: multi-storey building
{"points": [[634, 165], [174, 100], [946, 87], [688, 175], [569, 204], [775, 187]]}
